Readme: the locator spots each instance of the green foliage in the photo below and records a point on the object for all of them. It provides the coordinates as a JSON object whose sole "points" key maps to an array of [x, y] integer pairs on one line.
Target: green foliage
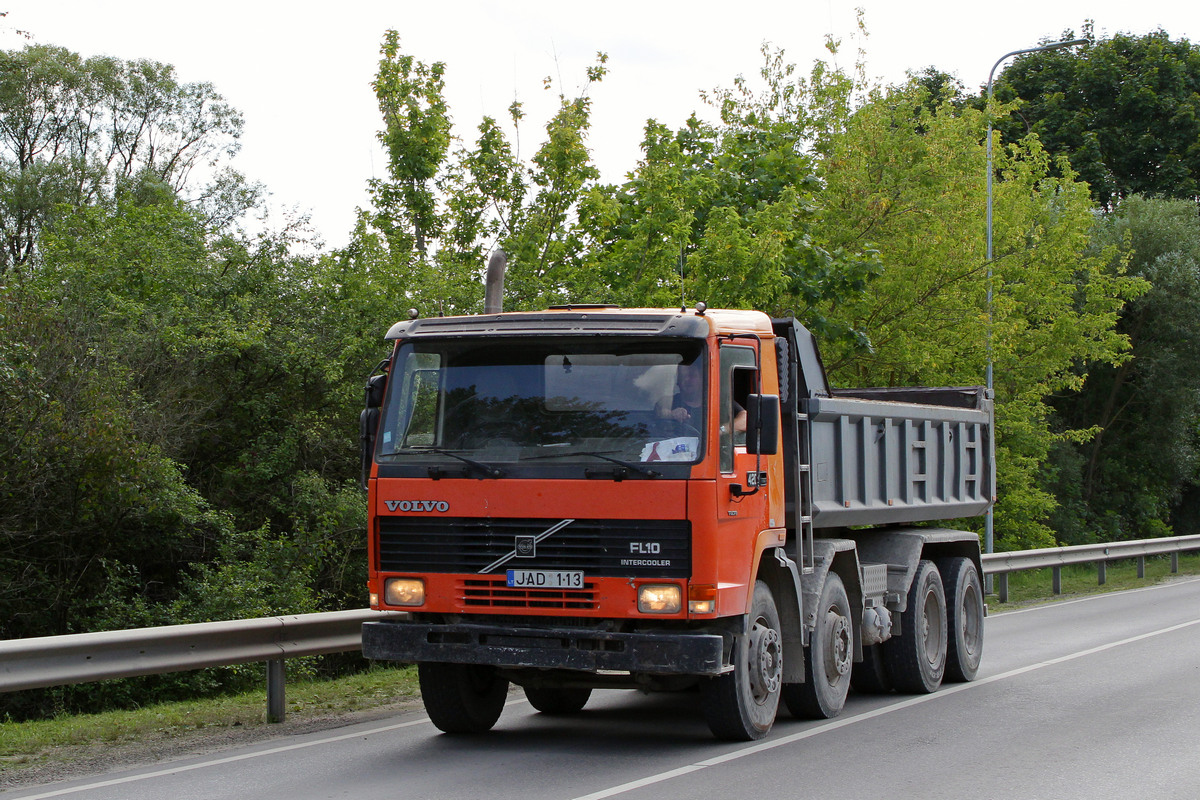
{"points": [[444, 204], [729, 213], [1125, 111], [1126, 481], [905, 175], [76, 131]]}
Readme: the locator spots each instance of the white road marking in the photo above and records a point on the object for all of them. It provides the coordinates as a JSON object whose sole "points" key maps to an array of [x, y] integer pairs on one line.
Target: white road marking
{"points": [[946, 691], [231, 759], [663, 776]]}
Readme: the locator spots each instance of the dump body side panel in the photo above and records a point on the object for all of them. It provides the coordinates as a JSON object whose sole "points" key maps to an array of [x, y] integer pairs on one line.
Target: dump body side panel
{"points": [[876, 462]]}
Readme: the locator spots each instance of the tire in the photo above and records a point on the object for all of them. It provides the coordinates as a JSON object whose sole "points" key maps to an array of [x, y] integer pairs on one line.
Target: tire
{"points": [[740, 705], [557, 700], [871, 675], [828, 659], [462, 698], [964, 618], [916, 659]]}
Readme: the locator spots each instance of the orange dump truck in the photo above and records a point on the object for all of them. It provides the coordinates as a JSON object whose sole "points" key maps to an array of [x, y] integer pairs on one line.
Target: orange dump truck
{"points": [[595, 497]]}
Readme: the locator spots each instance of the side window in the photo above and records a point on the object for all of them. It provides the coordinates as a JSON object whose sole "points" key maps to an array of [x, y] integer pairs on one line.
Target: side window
{"points": [[411, 419], [738, 379], [423, 419]]}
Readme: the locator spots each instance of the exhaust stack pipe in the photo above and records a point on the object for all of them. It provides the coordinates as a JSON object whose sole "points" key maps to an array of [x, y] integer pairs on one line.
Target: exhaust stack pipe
{"points": [[493, 292]]}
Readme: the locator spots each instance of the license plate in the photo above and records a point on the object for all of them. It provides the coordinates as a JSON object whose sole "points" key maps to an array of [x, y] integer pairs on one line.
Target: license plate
{"points": [[545, 579]]}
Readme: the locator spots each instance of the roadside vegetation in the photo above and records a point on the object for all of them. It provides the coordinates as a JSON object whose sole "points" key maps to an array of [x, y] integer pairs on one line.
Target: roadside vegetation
{"points": [[180, 727], [1079, 580]]}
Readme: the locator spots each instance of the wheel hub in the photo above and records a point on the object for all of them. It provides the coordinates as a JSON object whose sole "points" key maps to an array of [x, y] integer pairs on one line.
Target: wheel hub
{"points": [[766, 661], [931, 632], [838, 653]]}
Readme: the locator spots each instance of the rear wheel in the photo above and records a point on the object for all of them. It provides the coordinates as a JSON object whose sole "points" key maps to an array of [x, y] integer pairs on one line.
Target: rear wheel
{"points": [[741, 704], [916, 659], [828, 659], [964, 618], [556, 699], [462, 698]]}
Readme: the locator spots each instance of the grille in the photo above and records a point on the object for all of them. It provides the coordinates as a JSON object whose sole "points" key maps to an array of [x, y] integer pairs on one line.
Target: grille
{"points": [[600, 548], [495, 594]]}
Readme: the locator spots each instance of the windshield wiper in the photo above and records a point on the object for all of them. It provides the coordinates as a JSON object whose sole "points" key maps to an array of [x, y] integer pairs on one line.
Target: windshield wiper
{"points": [[435, 472], [629, 465]]}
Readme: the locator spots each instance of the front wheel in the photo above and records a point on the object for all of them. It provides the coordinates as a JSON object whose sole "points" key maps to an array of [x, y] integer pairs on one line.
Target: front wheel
{"points": [[462, 698], [828, 659], [964, 617], [916, 659], [741, 704]]}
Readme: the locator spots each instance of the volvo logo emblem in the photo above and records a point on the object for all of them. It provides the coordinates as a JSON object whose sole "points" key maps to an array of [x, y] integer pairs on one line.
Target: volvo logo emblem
{"points": [[417, 505], [526, 546]]}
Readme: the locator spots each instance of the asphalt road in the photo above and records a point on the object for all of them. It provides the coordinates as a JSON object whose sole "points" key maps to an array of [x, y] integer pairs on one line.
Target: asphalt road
{"points": [[1091, 698]]}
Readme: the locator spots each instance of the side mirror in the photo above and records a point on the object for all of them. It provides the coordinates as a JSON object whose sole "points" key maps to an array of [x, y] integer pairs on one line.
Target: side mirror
{"points": [[762, 424], [368, 423], [373, 391]]}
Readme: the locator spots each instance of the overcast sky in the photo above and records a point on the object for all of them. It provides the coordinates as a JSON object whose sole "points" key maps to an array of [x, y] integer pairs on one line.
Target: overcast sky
{"points": [[301, 72]]}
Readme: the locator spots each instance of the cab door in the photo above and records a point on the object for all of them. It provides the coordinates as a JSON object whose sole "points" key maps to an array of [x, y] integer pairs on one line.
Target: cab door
{"points": [[742, 509]]}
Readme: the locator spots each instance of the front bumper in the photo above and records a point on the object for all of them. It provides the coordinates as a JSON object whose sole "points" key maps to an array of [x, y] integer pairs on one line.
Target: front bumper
{"points": [[667, 653]]}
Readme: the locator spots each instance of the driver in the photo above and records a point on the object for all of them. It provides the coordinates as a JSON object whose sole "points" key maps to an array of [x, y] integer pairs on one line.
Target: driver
{"points": [[687, 404]]}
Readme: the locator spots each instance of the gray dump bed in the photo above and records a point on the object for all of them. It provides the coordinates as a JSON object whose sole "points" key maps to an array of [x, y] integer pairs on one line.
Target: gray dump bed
{"points": [[883, 456]]}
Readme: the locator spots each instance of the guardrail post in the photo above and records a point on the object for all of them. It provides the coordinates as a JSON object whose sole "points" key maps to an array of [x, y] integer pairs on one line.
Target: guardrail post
{"points": [[276, 683], [1174, 563], [1102, 570], [1057, 571], [1141, 566], [1002, 586]]}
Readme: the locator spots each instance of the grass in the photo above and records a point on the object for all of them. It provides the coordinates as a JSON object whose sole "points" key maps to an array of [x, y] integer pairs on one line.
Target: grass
{"points": [[1033, 586], [25, 744], [67, 738]]}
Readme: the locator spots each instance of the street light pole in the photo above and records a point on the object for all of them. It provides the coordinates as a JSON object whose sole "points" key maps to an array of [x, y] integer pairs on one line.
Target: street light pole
{"points": [[989, 543]]}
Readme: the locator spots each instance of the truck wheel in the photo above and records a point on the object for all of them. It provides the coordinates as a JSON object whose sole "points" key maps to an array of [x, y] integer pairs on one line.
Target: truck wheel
{"points": [[871, 676], [916, 659], [462, 698], [828, 659], [556, 699], [741, 704], [964, 617]]}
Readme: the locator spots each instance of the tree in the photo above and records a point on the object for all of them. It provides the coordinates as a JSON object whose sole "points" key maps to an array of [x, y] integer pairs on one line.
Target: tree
{"points": [[1125, 111], [445, 203], [74, 130], [1126, 481], [905, 174], [729, 213]]}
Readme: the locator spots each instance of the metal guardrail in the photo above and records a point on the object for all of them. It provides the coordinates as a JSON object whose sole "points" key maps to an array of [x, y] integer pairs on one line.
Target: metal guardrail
{"points": [[1000, 565], [82, 657]]}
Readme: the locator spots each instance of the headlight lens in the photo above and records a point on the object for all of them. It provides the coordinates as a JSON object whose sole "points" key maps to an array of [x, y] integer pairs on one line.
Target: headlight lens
{"points": [[404, 592], [660, 599]]}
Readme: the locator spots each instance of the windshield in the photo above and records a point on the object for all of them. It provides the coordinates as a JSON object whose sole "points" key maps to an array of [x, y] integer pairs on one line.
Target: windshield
{"points": [[509, 400]]}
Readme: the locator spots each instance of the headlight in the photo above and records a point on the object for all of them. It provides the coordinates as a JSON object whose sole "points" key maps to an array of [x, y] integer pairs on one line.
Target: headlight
{"points": [[660, 599], [404, 592]]}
